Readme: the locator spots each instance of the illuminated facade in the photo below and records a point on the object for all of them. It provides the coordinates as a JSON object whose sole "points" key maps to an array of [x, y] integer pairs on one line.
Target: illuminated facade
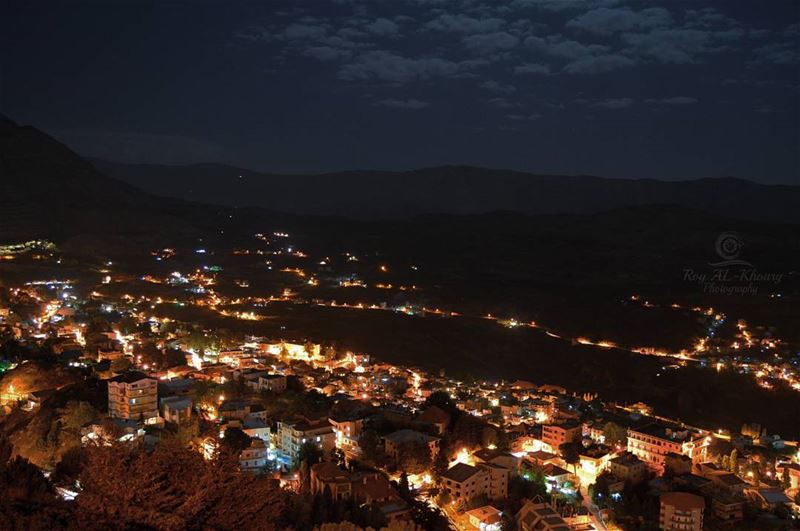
{"points": [[133, 396], [651, 444]]}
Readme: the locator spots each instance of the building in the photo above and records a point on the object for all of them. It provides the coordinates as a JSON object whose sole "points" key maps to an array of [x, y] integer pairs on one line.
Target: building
{"points": [[176, 409], [394, 441], [679, 464], [628, 467], [327, 474], [722, 479], [486, 518], [554, 435], [652, 443], [498, 457], [133, 396], [255, 427], [728, 508], [536, 515], [436, 417], [681, 511], [263, 381], [292, 435], [463, 482], [254, 457], [347, 431], [370, 488]]}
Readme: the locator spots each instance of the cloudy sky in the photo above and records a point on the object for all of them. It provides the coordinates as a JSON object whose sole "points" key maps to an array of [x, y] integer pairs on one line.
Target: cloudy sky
{"points": [[627, 88]]}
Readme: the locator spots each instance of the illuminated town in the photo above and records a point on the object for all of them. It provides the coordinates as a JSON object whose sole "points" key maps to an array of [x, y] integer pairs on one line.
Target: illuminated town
{"points": [[417, 447], [416, 265]]}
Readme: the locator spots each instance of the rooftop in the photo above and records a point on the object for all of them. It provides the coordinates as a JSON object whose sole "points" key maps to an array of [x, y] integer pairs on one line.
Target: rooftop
{"points": [[683, 501], [460, 472]]}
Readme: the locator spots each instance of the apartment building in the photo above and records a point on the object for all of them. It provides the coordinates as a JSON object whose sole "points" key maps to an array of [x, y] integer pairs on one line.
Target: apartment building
{"points": [[133, 396], [681, 511]]}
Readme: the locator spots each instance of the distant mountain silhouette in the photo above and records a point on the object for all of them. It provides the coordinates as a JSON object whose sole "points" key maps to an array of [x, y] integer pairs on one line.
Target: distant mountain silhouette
{"points": [[49, 191], [454, 190]]}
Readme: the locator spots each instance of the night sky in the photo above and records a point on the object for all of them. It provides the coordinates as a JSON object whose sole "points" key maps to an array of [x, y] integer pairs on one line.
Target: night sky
{"points": [[668, 89]]}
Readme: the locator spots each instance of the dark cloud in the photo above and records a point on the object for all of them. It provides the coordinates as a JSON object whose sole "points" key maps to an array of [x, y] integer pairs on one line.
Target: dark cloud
{"points": [[674, 100], [607, 21], [612, 103], [532, 68], [459, 23], [303, 76], [599, 64], [403, 104], [495, 86], [383, 65], [487, 43], [383, 26], [524, 117]]}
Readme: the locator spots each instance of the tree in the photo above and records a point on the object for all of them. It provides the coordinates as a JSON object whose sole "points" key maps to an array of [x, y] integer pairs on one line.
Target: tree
{"points": [[172, 487], [371, 447], [570, 454], [403, 487], [599, 489], [413, 456], [148, 353], [127, 325], [310, 453], [174, 358], [235, 440], [440, 464], [733, 461], [615, 434]]}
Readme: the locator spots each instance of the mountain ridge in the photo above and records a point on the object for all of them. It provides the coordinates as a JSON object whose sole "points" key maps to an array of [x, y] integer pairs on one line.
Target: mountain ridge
{"points": [[453, 189]]}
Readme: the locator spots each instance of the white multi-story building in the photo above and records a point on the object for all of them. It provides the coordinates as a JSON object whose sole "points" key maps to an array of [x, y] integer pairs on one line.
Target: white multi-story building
{"points": [[133, 396]]}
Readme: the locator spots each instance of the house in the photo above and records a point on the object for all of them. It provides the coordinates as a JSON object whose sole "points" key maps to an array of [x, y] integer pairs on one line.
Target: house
{"points": [[593, 461], [557, 478], [254, 457], [133, 396], [727, 508], [292, 435], [263, 381], [629, 468], [176, 409], [370, 488], [767, 499], [681, 511], [554, 435], [463, 482], [722, 479], [486, 518], [541, 458], [375, 490], [347, 431], [536, 515], [394, 441], [255, 427], [234, 409], [436, 417], [498, 457], [327, 474]]}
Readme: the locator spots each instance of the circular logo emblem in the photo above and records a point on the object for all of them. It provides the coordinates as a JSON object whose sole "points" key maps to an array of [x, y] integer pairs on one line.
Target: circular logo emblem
{"points": [[729, 245]]}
